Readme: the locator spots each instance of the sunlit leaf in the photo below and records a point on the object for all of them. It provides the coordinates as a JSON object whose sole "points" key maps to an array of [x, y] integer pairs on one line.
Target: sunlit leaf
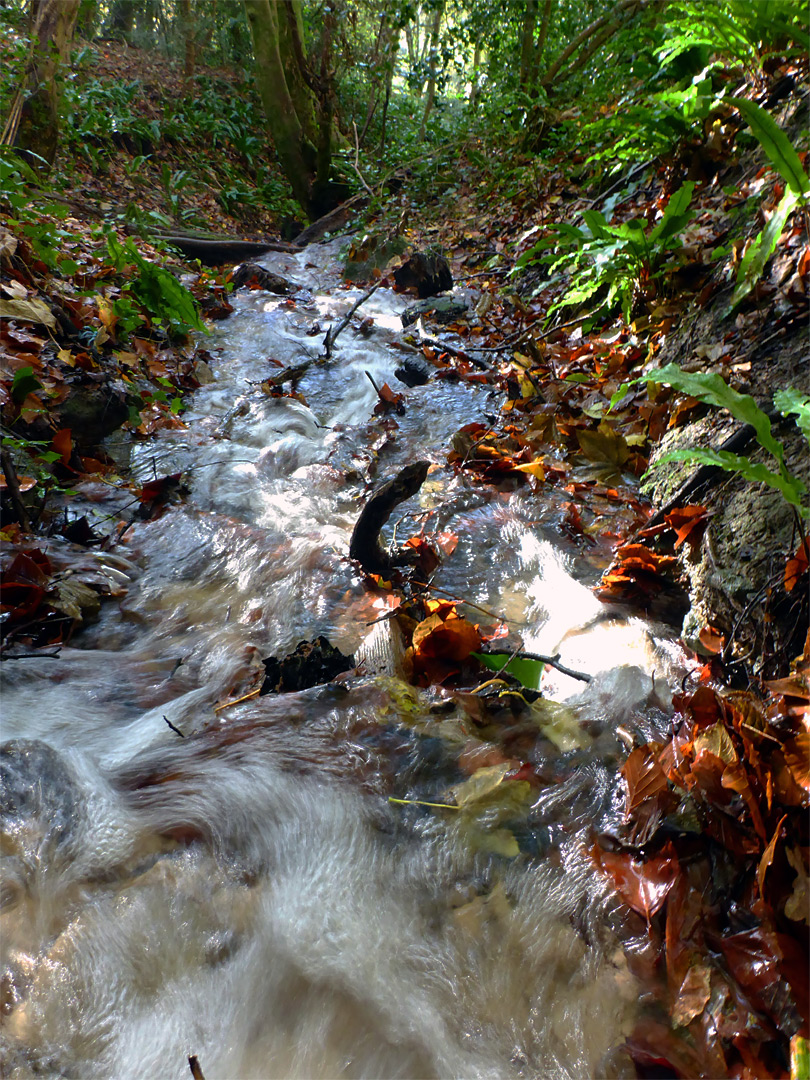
{"points": [[527, 672]]}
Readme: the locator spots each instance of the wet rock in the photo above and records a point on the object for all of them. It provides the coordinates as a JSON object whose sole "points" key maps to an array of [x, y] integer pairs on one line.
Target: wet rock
{"points": [[38, 797], [92, 412], [257, 277], [428, 274], [444, 310], [413, 371], [310, 664]]}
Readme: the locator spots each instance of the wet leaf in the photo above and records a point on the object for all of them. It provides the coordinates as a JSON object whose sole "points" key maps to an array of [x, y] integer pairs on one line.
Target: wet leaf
{"points": [[712, 640], [717, 741], [643, 884], [63, 444], [797, 906], [605, 445], [695, 991], [482, 783], [767, 856], [452, 638]]}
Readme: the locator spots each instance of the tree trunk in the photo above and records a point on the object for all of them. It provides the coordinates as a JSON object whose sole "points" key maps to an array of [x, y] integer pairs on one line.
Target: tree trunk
{"points": [[527, 55], [189, 44], [431, 83], [602, 28], [476, 67], [122, 19], [392, 49], [296, 151], [299, 80], [541, 37], [52, 23], [86, 19]]}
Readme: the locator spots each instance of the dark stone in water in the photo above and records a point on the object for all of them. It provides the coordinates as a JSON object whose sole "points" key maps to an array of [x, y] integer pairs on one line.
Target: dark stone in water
{"points": [[428, 274], [252, 274], [310, 664], [37, 791], [414, 371]]}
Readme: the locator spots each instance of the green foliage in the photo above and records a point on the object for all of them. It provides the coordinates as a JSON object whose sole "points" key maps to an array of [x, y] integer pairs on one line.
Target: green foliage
{"points": [[615, 258], [16, 178], [779, 149], [714, 390], [159, 291], [23, 384], [34, 458], [792, 402], [739, 29], [527, 672], [644, 126]]}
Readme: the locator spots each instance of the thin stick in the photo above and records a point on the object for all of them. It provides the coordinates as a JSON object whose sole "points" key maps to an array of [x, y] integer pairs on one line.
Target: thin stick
{"points": [[356, 162], [443, 346], [13, 483], [421, 802], [227, 704], [331, 334], [176, 730], [552, 661], [194, 1065], [459, 600]]}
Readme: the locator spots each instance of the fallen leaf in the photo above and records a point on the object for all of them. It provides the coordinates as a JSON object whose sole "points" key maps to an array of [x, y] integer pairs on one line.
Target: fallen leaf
{"points": [[767, 856], [712, 640], [695, 991], [643, 884], [33, 311], [453, 638], [797, 566], [689, 522], [797, 906]]}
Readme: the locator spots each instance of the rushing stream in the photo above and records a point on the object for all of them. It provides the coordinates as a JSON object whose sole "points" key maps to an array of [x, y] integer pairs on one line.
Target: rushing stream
{"points": [[247, 893]]}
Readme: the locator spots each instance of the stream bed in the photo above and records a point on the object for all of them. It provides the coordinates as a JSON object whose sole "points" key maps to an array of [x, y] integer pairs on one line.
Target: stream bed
{"points": [[236, 883]]}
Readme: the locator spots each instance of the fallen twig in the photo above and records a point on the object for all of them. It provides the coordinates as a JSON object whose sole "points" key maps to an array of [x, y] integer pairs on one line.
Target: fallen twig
{"points": [[176, 730], [551, 661], [227, 704], [443, 346], [13, 483], [194, 1065], [331, 334]]}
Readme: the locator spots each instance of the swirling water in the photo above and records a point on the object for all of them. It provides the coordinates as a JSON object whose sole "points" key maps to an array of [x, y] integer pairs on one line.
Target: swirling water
{"points": [[247, 893]]}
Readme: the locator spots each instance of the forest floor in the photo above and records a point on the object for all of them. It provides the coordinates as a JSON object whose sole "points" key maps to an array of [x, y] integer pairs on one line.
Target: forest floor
{"points": [[92, 344]]}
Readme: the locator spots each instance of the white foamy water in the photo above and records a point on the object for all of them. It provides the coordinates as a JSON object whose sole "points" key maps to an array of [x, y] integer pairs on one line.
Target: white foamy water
{"points": [[247, 893]]}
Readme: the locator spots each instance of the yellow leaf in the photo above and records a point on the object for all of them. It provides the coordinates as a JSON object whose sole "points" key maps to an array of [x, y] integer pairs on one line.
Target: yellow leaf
{"points": [[716, 740], [481, 783], [533, 468]]}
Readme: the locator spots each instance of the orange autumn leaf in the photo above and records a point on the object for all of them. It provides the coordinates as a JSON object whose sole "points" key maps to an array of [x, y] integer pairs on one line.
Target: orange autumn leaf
{"points": [[688, 522], [712, 640], [446, 639], [62, 443], [797, 566]]}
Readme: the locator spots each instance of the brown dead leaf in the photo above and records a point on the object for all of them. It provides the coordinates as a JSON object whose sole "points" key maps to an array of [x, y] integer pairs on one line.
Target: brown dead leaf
{"points": [[695, 991]]}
